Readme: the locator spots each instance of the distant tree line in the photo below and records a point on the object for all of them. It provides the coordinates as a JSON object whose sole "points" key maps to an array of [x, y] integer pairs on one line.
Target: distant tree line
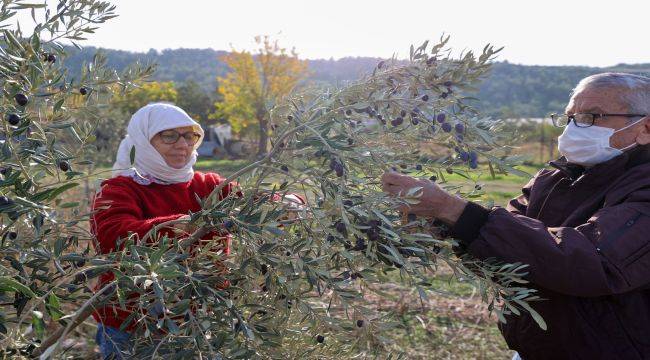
{"points": [[510, 91]]}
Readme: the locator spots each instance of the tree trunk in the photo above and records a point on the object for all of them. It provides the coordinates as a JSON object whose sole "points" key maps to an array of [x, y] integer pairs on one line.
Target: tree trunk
{"points": [[263, 134]]}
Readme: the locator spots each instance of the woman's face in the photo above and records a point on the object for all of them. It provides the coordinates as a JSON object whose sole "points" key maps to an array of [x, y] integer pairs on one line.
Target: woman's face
{"points": [[176, 145]]}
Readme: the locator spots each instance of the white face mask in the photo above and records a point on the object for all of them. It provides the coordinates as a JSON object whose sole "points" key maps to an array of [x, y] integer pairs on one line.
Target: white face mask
{"points": [[589, 146]]}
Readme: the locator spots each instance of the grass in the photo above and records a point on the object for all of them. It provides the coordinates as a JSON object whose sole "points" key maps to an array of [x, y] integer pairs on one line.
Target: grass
{"points": [[451, 323], [223, 167]]}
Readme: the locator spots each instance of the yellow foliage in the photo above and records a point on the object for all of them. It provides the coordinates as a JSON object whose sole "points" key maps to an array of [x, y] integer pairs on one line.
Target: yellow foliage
{"points": [[149, 92], [256, 82]]}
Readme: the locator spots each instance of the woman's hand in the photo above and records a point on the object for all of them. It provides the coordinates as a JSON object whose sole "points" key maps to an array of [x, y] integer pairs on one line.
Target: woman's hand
{"points": [[293, 205], [434, 201]]}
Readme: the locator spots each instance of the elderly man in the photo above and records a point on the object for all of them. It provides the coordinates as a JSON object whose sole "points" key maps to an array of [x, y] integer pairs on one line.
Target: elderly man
{"points": [[583, 227]]}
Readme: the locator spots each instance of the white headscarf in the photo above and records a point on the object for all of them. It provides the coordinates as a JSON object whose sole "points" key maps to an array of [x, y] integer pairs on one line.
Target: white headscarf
{"points": [[149, 164]]}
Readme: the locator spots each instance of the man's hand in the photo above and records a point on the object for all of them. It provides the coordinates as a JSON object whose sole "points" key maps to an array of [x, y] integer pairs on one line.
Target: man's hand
{"points": [[434, 201]]}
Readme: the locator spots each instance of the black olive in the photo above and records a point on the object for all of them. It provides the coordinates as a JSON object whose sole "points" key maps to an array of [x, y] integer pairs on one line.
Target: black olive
{"points": [[320, 339], [339, 170], [372, 234], [433, 178], [64, 165], [5, 201], [360, 245], [359, 323], [83, 91], [13, 119], [21, 99]]}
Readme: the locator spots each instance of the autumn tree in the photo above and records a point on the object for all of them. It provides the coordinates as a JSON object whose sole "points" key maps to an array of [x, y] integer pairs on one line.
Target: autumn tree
{"points": [[255, 84], [145, 94]]}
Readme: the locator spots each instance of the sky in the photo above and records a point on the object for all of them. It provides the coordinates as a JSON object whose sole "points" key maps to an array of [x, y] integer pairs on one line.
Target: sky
{"points": [[532, 32]]}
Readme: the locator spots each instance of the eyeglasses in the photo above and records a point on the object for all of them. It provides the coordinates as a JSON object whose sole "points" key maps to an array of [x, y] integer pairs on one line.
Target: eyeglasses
{"points": [[170, 137], [583, 119]]}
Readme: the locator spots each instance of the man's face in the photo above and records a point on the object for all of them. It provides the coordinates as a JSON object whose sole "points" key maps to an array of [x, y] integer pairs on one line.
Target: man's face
{"points": [[177, 154], [608, 101]]}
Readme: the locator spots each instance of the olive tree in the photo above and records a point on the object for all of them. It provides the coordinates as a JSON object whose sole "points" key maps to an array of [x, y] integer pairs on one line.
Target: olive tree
{"points": [[48, 127]]}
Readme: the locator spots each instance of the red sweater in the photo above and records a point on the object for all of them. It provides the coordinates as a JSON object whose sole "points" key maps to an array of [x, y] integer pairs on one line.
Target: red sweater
{"points": [[124, 206]]}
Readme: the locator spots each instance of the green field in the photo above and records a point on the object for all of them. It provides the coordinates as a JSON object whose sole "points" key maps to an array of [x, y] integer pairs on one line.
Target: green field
{"points": [[498, 189]]}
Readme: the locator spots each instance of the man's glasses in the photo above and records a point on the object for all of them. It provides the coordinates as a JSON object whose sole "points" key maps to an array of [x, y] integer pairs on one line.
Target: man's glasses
{"points": [[170, 137], [583, 119]]}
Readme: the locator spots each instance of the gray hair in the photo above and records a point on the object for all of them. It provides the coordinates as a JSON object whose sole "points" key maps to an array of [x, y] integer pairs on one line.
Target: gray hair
{"points": [[635, 89]]}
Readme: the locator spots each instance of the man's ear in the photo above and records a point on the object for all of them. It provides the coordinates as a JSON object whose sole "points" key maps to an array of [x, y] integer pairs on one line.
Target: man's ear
{"points": [[644, 136]]}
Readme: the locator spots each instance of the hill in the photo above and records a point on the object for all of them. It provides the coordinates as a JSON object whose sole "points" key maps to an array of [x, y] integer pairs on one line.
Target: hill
{"points": [[509, 91]]}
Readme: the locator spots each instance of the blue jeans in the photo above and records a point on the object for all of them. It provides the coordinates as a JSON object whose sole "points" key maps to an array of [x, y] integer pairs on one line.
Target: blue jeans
{"points": [[113, 343]]}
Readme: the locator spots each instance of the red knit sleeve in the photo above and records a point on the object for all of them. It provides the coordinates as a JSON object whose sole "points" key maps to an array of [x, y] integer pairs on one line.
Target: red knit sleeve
{"points": [[213, 180], [116, 213]]}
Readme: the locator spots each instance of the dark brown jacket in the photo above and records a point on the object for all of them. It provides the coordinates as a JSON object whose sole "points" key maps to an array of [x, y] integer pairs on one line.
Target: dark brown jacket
{"points": [[586, 237]]}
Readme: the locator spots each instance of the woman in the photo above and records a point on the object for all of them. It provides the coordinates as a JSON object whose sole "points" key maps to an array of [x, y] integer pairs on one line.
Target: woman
{"points": [[159, 187]]}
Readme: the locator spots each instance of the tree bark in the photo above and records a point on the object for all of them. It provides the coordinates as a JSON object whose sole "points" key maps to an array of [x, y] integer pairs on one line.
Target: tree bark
{"points": [[263, 134]]}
